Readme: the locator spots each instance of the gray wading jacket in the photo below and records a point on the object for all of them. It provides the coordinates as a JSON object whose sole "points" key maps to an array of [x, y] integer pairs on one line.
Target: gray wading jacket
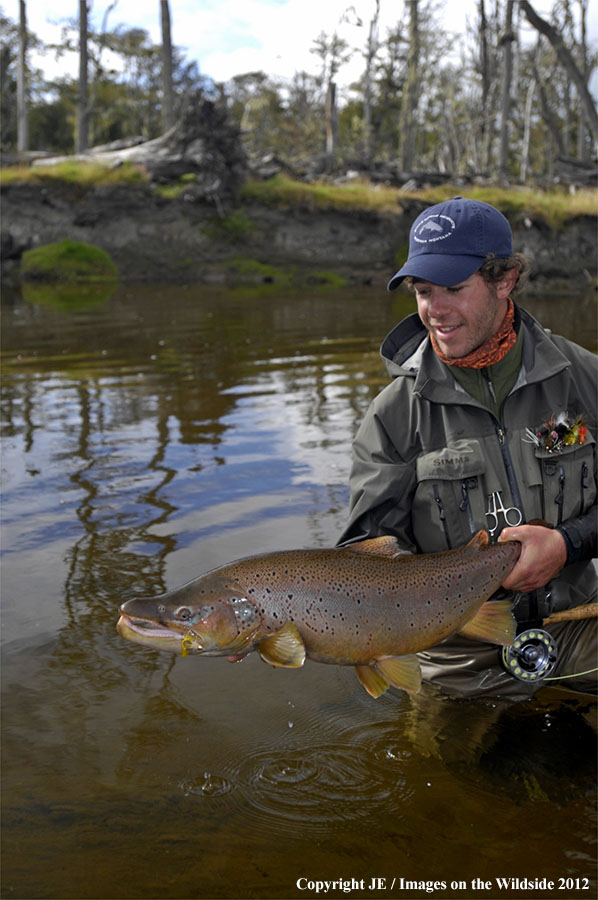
{"points": [[428, 455]]}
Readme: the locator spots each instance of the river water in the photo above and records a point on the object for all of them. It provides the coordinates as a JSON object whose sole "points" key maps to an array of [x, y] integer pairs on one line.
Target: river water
{"points": [[155, 434]]}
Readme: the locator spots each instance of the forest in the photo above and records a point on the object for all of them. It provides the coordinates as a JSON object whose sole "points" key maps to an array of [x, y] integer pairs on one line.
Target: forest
{"points": [[511, 104]]}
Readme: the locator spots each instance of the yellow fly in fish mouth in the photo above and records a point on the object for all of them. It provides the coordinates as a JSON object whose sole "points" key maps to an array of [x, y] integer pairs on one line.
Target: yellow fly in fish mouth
{"points": [[368, 605]]}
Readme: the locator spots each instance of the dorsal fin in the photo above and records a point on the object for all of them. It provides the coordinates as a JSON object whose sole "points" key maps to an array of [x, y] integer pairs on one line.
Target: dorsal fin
{"points": [[478, 542], [387, 545], [284, 648]]}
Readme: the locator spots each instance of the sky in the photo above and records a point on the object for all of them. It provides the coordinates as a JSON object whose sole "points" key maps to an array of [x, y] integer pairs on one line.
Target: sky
{"points": [[231, 37]]}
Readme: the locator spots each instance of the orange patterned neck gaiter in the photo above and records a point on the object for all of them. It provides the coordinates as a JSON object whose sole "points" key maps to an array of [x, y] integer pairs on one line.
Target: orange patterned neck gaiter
{"points": [[491, 352]]}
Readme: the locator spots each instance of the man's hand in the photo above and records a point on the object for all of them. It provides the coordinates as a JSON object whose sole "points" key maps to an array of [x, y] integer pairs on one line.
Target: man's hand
{"points": [[543, 555]]}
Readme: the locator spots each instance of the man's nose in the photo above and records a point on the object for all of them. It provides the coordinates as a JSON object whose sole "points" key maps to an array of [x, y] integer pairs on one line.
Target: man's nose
{"points": [[437, 300]]}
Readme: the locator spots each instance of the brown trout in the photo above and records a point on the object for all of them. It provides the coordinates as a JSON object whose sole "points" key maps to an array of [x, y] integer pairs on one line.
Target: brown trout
{"points": [[368, 605]]}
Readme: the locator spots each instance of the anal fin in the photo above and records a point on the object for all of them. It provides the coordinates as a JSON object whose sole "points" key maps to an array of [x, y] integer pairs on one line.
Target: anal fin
{"points": [[493, 622], [372, 681], [403, 672], [284, 648]]}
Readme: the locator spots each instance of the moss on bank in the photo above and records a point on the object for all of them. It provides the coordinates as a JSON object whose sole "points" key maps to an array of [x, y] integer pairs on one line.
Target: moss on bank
{"points": [[67, 261], [554, 206]]}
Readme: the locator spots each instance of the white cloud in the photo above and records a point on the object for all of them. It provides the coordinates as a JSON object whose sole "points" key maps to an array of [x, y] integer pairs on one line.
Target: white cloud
{"points": [[230, 37]]}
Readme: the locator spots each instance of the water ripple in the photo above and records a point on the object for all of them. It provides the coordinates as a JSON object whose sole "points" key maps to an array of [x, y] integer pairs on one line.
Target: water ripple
{"points": [[206, 785], [315, 786], [314, 782]]}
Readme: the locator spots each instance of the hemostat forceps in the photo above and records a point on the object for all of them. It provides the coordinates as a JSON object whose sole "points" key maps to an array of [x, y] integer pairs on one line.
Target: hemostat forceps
{"points": [[511, 514]]}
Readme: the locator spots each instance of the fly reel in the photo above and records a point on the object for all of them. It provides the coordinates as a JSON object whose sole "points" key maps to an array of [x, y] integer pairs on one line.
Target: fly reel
{"points": [[532, 655]]}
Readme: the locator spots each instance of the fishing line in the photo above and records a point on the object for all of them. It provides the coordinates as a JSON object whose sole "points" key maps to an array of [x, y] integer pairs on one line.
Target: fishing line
{"points": [[575, 675]]}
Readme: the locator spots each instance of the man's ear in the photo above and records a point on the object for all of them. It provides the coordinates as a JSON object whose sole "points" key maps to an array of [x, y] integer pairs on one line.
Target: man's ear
{"points": [[505, 286]]}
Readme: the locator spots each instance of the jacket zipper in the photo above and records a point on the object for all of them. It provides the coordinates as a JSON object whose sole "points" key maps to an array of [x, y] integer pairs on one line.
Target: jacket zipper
{"points": [[442, 514], [465, 505], [501, 434], [560, 497], [585, 483]]}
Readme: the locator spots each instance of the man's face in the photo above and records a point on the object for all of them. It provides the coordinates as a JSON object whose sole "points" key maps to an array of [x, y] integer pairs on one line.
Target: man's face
{"points": [[465, 315]]}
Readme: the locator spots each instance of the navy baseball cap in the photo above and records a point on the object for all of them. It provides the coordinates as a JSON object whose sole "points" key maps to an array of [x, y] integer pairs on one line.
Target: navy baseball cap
{"points": [[448, 242]]}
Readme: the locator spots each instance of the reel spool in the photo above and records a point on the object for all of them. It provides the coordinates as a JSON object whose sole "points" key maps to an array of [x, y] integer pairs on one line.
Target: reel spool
{"points": [[532, 655]]}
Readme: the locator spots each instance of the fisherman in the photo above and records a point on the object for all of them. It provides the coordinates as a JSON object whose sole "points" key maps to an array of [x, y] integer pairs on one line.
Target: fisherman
{"points": [[489, 422]]}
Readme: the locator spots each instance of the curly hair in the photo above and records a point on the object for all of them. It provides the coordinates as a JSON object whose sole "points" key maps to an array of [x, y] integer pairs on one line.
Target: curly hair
{"points": [[494, 268]]}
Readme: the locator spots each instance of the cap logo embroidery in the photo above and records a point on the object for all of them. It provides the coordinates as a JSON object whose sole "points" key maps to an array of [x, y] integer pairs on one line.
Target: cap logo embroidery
{"points": [[434, 228]]}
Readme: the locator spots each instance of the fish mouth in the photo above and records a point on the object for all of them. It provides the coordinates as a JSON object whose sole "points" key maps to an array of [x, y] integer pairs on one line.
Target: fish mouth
{"points": [[149, 633]]}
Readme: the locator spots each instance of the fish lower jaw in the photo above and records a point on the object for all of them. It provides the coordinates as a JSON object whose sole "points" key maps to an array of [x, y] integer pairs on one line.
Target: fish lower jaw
{"points": [[150, 634]]}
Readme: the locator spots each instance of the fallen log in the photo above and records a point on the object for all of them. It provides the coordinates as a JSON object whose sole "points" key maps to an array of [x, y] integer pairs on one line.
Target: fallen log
{"points": [[204, 142]]}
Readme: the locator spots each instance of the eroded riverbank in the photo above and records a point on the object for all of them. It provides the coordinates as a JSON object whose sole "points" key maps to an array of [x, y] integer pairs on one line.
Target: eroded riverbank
{"points": [[182, 240]]}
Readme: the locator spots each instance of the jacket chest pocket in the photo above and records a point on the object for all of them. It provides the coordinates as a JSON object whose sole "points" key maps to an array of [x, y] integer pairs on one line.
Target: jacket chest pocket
{"points": [[567, 483], [448, 505]]}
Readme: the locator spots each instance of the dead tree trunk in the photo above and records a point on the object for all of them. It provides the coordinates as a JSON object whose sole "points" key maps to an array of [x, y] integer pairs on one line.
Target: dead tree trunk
{"points": [[507, 74], [82, 138], [410, 94], [566, 59], [167, 86], [372, 47], [331, 125], [22, 119]]}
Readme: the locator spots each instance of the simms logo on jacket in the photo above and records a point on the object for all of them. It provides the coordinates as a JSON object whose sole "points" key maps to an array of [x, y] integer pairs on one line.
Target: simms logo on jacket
{"points": [[461, 459], [433, 228]]}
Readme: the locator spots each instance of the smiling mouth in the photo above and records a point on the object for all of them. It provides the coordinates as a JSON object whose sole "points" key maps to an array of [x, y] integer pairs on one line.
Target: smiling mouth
{"points": [[445, 329]]}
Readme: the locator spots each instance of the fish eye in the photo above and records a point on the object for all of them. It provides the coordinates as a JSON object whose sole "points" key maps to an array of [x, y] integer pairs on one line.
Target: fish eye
{"points": [[184, 613]]}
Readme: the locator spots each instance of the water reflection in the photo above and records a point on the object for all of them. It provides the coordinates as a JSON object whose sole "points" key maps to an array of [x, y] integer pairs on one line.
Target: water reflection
{"points": [[145, 441]]}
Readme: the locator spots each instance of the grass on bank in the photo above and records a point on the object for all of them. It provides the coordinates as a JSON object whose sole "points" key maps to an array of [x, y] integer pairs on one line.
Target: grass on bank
{"points": [[554, 206], [85, 174]]}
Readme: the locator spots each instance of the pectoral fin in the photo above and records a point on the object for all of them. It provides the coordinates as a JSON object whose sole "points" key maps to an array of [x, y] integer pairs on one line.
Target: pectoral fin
{"points": [[387, 545], [403, 672], [284, 648], [372, 681], [493, 622]]}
